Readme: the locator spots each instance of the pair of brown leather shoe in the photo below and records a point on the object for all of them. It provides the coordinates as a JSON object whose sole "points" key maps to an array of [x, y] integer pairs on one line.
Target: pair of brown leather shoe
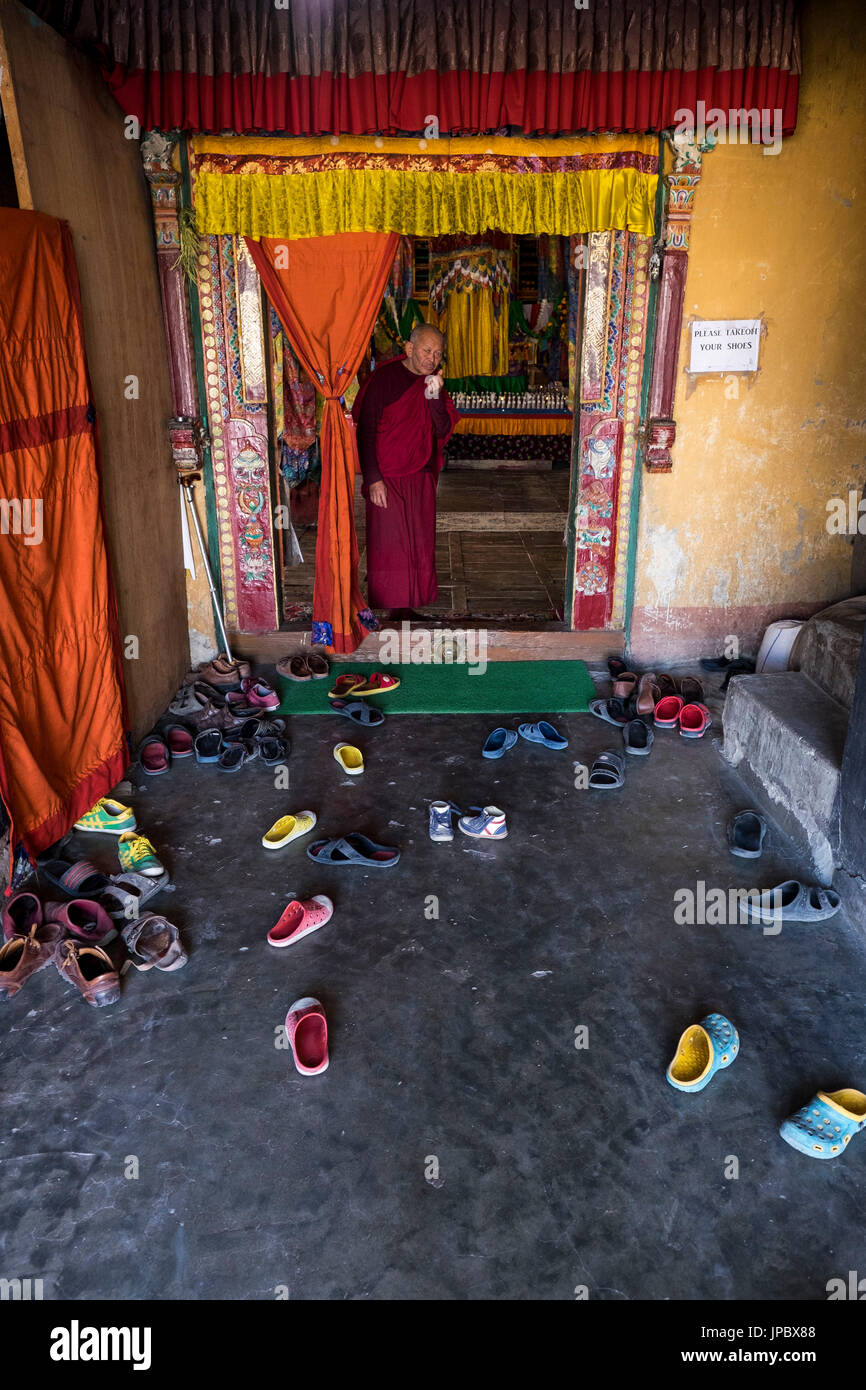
{"points": [[89, 968]]}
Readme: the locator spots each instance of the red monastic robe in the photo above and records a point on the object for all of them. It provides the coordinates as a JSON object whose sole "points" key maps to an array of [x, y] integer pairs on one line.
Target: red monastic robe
{"points": [[401, 442]]}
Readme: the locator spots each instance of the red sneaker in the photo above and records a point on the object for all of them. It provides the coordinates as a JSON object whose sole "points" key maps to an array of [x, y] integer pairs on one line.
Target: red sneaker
{"points": [[301, 918], [307, 1032]]}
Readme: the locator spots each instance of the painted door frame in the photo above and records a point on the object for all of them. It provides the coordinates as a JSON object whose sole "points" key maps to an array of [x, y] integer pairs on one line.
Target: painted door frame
{"points": [[616, 373]]}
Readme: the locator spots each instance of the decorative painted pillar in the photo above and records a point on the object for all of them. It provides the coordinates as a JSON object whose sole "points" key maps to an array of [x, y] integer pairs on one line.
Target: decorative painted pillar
{"points": [[660, 428], [607, 407], [186, 430], [164, 180]]}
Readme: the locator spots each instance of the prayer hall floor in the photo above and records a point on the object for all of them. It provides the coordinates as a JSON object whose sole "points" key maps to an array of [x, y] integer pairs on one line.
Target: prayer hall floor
{"points": [[499, 547], [461, 1145]]}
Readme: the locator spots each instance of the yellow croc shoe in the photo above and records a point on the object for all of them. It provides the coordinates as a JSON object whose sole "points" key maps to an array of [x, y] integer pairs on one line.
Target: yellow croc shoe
{"points": [[351, 759], [289, 828], [108, 818]]}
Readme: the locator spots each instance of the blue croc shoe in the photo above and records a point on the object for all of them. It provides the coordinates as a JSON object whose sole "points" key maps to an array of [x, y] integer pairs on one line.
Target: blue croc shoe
{"points": [[542, 732], [498, 742], [823, 1128], [703, 1049]]}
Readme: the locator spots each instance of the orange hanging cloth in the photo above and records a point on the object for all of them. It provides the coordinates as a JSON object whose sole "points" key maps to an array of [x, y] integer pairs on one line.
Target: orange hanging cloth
{"points": [[327, 292], [62, 707]]}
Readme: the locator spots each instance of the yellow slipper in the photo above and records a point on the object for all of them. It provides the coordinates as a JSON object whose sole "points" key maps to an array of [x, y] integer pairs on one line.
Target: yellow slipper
{"points": [[289, 828], [351, 759]]}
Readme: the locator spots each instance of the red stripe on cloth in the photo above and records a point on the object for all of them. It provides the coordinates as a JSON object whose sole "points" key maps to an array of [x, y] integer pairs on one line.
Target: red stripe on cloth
{"points": [[43, 429], [464, 103]]}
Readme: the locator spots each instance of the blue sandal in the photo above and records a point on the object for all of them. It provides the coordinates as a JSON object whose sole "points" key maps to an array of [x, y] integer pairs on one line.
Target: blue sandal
{"points": [[353, 849], [542, 732], [498, 741], [79, 880], [703, 1049], [358, 711]]}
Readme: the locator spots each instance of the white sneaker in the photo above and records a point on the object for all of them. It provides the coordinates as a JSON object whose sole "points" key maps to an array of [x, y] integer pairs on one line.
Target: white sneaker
{"points": [[440, 820], [489, 825]]}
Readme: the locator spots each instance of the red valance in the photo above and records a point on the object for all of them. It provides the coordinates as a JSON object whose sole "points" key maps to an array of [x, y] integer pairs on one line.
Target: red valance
{"points": [[384, 66]]}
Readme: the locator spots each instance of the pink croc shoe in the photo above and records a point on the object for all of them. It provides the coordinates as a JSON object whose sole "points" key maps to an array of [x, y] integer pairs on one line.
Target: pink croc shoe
{"points": [[695, 719], [301, 918], [307, 1032]]}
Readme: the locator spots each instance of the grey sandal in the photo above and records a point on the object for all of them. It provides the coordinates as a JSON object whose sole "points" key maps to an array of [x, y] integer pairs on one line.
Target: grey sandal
{"points": [[792, 901], [129, 892], [155, 941], [608, 770]]}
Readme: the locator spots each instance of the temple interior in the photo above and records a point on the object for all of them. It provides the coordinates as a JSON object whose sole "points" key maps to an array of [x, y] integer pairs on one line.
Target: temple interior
{"points": [[504, 304]]}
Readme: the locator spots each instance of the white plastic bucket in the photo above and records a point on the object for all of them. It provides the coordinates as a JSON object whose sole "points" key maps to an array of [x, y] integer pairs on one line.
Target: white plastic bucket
{"points": [[776, 645]]}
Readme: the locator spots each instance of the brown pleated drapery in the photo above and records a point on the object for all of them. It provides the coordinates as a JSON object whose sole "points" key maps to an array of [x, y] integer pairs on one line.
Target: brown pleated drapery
{"points": [[382, 66]]}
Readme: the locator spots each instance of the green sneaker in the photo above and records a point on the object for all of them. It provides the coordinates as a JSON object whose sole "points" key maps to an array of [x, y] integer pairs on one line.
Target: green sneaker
{"points": [[108, 817], [135, 852]]}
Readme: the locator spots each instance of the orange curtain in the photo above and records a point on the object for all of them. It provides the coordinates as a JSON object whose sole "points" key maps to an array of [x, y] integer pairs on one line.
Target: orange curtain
{"points": [[62, 709], [328, 292]]}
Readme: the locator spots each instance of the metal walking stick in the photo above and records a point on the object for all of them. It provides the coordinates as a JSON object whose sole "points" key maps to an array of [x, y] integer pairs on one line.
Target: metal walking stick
{"points": [[187, 437]]}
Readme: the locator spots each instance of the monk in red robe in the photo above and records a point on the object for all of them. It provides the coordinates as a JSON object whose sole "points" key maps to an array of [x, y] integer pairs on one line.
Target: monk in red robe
{"points": [[404, 418]]}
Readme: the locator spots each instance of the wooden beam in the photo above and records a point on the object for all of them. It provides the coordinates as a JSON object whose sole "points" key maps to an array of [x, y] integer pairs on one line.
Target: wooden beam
{"points": [[13, 122]]}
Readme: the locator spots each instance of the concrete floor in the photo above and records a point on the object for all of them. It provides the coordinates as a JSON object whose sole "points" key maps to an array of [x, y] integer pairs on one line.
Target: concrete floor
{"points": [[452, 1039]]}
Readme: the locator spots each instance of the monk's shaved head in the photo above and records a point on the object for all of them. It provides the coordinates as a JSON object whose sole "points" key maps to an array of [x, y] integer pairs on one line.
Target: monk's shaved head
{"points": [[424, 349], [421, 329]]}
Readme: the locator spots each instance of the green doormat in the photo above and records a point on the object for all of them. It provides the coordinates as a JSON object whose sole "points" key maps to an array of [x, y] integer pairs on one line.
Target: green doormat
{"points": [[506, 687]]}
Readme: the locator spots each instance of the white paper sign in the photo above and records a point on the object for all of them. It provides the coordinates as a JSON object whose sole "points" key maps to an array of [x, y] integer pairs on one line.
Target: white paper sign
{"points": [[725, 345]]}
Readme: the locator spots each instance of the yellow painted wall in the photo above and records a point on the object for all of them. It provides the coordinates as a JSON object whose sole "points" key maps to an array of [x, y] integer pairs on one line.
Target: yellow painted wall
{"points": [[736, 535]]}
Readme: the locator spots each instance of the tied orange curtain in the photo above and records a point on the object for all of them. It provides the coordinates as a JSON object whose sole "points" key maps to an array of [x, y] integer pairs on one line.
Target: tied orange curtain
{"points": [[62, 709], [327, 292]]}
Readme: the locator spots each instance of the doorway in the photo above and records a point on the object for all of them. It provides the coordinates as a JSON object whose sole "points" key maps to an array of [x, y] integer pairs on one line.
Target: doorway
{"points": [[503, 303]]}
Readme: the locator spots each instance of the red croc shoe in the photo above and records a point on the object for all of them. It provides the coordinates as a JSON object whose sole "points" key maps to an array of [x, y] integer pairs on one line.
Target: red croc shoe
{"points": [[694, 720], [667, 712], [301, 918], [307, 1032]]}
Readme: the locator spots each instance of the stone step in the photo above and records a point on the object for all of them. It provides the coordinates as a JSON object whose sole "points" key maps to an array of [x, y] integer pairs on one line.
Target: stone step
{"points": [[785, 736], [828, 648]]}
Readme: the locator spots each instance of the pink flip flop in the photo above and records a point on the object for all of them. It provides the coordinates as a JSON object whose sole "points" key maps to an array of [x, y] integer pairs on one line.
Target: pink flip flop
{"points": [[694, 720], [301, 918], [307, 1032]]}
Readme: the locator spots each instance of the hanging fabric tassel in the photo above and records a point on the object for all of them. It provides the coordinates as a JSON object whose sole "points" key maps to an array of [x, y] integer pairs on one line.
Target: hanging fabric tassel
{"points": [[190, 244]]}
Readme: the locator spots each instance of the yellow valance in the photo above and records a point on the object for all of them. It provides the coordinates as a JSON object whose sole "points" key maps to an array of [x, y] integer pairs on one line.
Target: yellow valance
{"points": [[306, 188]]}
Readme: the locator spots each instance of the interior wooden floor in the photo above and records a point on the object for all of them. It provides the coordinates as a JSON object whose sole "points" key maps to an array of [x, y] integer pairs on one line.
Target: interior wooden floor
{"points": [[500, 552]]}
